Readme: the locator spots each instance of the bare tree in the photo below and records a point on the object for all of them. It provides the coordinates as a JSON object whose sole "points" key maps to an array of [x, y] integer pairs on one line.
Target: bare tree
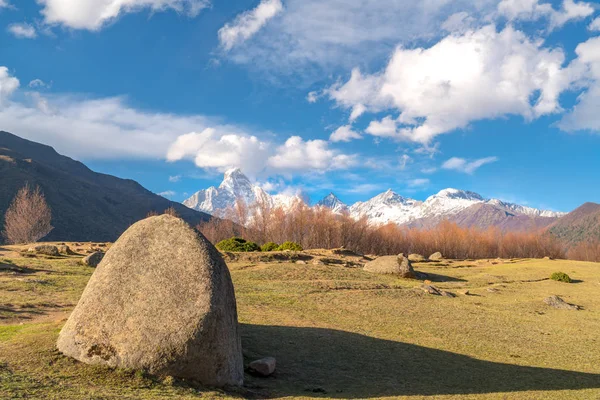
{"points": [[28, 218]]}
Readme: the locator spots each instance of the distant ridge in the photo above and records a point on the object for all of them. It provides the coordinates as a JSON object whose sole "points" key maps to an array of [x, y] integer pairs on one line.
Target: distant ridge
{"points": [[86, 205], [582, 224], [466, 208]]}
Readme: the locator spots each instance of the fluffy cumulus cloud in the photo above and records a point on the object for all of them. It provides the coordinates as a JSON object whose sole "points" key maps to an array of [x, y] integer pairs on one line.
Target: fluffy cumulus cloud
{"points": [[8, 84], [249, 23], [595, 25], [467, 167], [4, 3], [22, 31], [213, 151], [108, 128], [532, 10], [344, 134], [300, 155], [94, 14], [480, 74], [585, 115]]}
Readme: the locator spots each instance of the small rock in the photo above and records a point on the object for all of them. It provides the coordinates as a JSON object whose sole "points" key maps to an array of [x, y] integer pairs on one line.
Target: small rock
{"points": [[263, 367], [436, 256], [316, 261], [557, 302], [64, 249], [46, 249], [548, 258], [465, 292], [431, 290], [493, 290], [301, 262], [397, 265], [93, 259]]}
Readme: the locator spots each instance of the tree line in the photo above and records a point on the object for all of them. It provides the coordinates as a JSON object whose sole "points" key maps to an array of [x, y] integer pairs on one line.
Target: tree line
{"points": [[28, 219]]}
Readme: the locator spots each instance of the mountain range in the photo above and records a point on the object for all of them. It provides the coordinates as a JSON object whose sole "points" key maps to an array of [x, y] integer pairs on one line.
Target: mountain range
{"points": [[86, 205], [463, 207]]}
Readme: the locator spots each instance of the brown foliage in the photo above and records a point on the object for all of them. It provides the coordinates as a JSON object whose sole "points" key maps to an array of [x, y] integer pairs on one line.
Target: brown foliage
{"points": [[172, 212], [321, 228], [585, 251], [28, 218]]}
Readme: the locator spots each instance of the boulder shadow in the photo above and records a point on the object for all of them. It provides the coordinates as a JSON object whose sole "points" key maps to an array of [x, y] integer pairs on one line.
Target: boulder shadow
{"points": [[318, 362]]}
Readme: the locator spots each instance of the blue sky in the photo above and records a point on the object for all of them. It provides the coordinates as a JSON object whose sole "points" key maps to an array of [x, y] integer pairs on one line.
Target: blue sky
{"points": [[501, 97]]}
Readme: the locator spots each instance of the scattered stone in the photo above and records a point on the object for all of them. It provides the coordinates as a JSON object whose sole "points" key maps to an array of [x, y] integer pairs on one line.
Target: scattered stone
{"points": [[263, 367], [493, 290], [431, 290], [557, 302], [301, 262], [436, 256], [45, 249], [93, 260], [447, 294], [416, 258], [316, 261], [396, 265], [162, 301], [548, 258], [64, 249]]}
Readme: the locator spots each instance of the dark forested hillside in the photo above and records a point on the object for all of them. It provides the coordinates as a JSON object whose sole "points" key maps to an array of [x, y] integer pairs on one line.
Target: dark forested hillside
{"points": [[86, 205]]}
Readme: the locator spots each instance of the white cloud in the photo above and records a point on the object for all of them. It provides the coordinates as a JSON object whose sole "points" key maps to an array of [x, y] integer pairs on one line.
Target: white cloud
{"points": [[344, 134], [384, 128], [585, 115], [312, 97], [404, 160], [249, 23], [8, 84], [174, 179], [532, 10], [4, 3], [436, 92], [458, 22], [300, 155], [167, 194], [467, 167], [316, 35], [95, 14], [210, 150], [22, 31], [38, 83], [414, 183], [595, 25]]}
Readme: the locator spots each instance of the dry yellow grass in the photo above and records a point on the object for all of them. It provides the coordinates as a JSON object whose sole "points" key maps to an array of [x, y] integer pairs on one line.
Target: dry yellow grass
{"points": [[340, 332]]}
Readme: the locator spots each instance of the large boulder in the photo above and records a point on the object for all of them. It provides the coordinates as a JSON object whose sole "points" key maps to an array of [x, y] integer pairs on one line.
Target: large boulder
{"points": [[93, 260], [436, 256], [45, 249], [396, 265], [161, 300]]}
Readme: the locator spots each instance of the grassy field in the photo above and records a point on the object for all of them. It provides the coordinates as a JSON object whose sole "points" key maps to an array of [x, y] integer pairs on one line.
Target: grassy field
{"points": [[338, 332]]}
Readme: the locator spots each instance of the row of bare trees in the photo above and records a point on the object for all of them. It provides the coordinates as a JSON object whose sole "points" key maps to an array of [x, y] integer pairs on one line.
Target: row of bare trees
{"points": [[321, 228]]}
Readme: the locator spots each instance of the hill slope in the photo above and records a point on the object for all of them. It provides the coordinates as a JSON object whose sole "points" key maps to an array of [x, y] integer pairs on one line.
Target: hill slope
{"points": [[86, 205], [579, 225]]}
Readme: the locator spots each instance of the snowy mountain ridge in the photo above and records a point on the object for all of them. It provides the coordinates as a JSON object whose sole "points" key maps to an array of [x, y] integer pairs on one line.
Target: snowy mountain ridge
{"points": [[387, 207]]}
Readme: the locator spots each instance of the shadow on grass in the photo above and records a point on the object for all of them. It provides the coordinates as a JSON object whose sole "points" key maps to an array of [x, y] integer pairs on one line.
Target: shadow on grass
{"points": [[324, 362], [7, 267], [441, 278]]}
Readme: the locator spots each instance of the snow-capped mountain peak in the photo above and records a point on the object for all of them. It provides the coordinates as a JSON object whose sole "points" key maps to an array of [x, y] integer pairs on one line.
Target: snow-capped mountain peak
{"points": [[332, 202], [387, 207]]}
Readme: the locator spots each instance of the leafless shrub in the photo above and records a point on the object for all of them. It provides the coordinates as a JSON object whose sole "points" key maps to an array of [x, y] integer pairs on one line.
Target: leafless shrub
{"points": [[28, 217]]}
